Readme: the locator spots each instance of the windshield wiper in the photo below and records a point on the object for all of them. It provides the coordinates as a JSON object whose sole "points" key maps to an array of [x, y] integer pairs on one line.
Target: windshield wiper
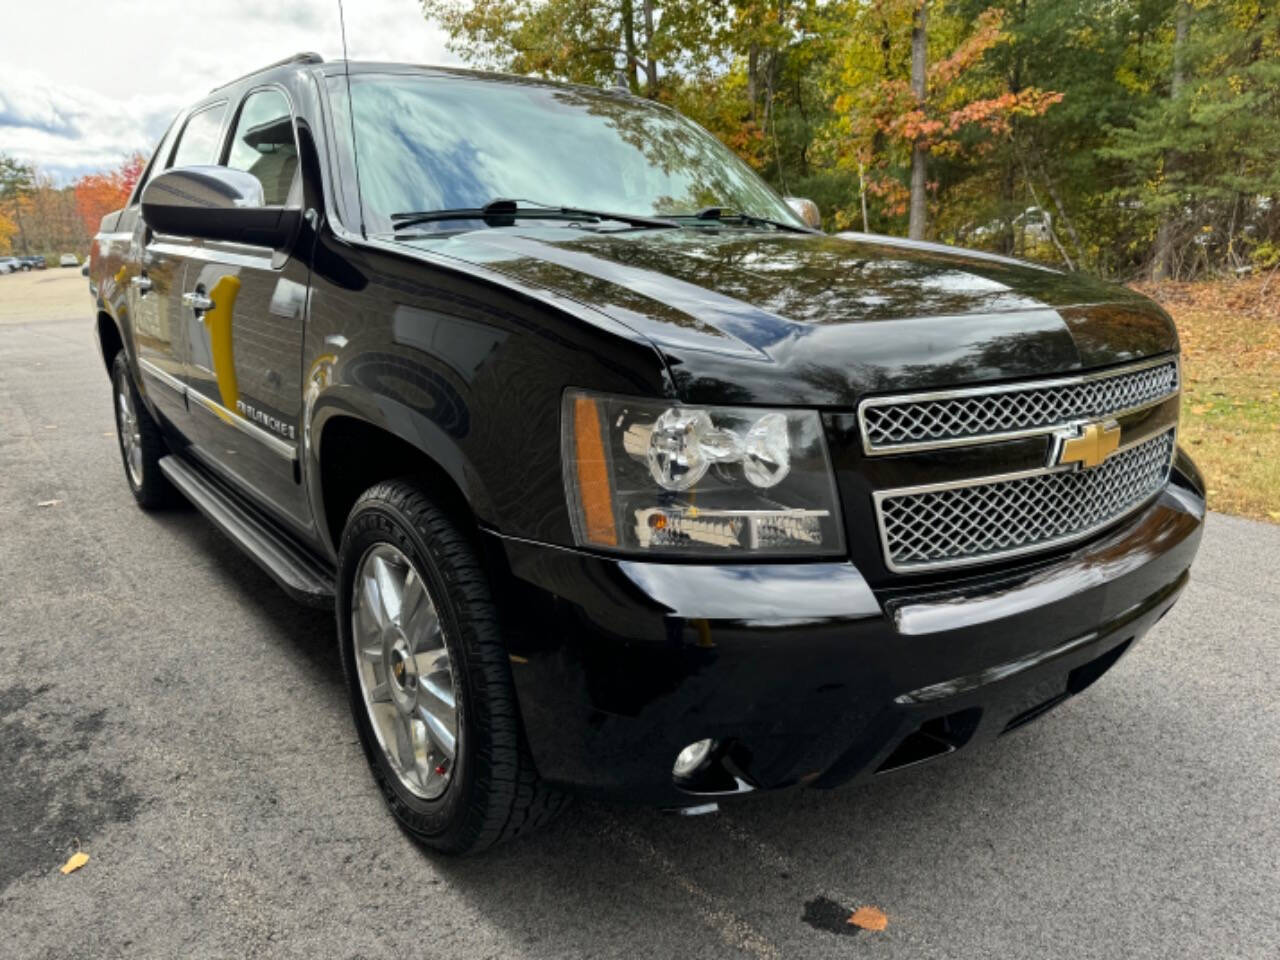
{"points": [[725, 215], [504, 213]]}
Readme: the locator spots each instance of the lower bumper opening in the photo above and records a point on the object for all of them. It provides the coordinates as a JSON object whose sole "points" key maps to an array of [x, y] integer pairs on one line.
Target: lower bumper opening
{"points": [[1077, 680], [934, 738]]}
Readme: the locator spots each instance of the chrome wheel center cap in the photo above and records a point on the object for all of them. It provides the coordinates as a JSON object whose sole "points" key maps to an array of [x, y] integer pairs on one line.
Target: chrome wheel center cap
{"points": [[403, 670]]}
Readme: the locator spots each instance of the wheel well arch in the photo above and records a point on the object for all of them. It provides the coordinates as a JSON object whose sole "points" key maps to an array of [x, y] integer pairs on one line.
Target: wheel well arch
{"points": [[354, 454], [109, 338]]}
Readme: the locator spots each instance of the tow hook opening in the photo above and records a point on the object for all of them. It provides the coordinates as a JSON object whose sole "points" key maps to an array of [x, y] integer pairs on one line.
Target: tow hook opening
{"points": [[934, 738]]}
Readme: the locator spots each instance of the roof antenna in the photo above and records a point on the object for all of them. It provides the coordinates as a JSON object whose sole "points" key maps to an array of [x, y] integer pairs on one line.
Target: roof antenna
{"points": [[351, 115]]}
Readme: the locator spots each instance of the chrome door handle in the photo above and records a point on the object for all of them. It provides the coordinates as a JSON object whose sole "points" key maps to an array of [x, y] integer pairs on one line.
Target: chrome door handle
{"points": [[197, 302], [142, 282]]}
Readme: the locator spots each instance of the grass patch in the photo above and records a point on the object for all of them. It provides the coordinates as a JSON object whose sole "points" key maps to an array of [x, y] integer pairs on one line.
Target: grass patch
{"points": [[1230, 332]]}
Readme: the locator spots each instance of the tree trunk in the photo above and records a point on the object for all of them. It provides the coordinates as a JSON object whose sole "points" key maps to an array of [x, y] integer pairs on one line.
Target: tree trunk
{"points": [[862, 193], [919, 152], [1162, 264], [629, 44], [650, 63]]}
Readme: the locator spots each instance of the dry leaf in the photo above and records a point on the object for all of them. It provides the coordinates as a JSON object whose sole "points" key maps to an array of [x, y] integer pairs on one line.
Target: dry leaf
{"points": [[77, 861], [48, 503], [869, 918]]}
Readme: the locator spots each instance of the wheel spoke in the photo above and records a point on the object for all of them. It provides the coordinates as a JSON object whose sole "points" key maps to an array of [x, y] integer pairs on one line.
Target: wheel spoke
{"points": [[380, 693], [404, 744], [438, 687], [413, 602], [385, 717], [389, 586], [371, 601], [424, 633], [441, 733]]}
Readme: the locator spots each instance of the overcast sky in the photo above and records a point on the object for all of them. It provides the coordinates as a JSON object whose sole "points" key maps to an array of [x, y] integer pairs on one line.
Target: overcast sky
{"points": [[83, 83]]}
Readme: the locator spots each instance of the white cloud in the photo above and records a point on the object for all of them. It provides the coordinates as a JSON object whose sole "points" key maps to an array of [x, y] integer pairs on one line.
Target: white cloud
{"points": [[85, 83]]}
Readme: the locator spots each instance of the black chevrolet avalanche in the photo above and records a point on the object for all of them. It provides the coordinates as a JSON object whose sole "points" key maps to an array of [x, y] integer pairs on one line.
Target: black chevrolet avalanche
{"points": [[620, 476]]}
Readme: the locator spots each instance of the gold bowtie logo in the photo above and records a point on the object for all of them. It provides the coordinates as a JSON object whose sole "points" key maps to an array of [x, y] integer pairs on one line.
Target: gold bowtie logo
{"points": [[1090, 447]]}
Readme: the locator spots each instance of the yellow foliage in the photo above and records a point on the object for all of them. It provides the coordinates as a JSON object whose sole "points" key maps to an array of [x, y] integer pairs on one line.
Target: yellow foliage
{"points": [[7, 229]]}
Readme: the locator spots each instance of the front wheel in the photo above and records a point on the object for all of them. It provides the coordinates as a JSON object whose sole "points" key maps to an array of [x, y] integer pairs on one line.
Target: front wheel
{"points": [[428, 676]]}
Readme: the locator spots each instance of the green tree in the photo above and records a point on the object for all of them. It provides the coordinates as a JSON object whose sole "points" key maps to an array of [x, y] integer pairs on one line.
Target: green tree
{"points": [[17, 180]]}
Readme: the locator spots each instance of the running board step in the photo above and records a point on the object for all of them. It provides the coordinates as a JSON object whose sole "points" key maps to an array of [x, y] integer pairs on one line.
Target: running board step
{"points": [[299, 576]]}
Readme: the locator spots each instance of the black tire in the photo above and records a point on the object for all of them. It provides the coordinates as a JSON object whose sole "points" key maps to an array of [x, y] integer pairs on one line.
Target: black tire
{"points": [[494, 793], [150, 487]]}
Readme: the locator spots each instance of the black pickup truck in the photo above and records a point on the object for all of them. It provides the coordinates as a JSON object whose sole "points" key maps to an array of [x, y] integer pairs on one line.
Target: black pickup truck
{"points": [[620, 476]]}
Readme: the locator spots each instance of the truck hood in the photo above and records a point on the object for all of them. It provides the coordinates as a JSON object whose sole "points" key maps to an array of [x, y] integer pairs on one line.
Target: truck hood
{"points": [[767, 317]]}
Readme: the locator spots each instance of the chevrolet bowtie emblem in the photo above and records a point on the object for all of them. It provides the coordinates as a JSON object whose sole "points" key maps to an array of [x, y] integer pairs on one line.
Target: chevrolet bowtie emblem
{"points": [[1089, 444]]}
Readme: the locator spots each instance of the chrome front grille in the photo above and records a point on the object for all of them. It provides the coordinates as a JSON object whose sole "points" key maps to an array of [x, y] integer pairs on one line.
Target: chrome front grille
{"points": [[975, 415], [985, 519]]}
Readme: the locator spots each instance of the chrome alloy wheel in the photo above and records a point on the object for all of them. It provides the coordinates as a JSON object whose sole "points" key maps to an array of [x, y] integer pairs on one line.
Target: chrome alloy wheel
{"points": [[130, 434], [404, 669]]}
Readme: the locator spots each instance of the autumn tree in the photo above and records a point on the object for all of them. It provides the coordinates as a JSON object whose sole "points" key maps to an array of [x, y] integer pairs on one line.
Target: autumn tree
{"points": [[7, 229], [98, 194], [16, 182], [895, 110]]}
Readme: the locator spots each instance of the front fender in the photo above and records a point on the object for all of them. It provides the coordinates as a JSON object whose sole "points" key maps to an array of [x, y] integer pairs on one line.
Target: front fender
{"points": [[431, 436]]}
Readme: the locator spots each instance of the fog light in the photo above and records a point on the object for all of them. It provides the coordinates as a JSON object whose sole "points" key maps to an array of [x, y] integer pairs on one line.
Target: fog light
{"points": [[691, 757]]}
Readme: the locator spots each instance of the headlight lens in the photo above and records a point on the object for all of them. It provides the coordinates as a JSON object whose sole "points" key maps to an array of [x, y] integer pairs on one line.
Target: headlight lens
{"points": [[655, 477]]}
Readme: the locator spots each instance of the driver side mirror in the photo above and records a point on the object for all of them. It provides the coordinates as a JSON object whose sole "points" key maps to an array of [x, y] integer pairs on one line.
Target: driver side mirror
{"points": [[806, 210], [216, 203]]}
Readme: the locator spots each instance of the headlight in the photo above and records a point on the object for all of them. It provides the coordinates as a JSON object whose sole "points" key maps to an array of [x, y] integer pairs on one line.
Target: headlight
{"points": [[655, 477]]}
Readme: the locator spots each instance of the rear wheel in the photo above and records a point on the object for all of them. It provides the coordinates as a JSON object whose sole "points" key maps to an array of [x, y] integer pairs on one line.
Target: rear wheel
{"points": [[141, 443], [428, 676]]}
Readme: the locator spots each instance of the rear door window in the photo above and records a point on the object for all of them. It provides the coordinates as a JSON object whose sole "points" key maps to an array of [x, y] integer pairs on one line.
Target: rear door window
{"points": [[264, 146], [199, 141]]}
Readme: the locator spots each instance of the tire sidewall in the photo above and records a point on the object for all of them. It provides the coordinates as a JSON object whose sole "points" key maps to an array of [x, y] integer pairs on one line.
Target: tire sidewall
{"points": [[441, 821], [121, 381]]}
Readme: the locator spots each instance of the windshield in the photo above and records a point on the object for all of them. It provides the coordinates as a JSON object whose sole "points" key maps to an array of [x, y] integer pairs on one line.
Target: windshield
{"points": [[448, 142]]}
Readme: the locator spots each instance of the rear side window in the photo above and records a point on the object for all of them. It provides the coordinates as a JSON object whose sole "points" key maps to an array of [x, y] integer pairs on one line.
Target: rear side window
{"points": [[198, 142], [264, 145]]}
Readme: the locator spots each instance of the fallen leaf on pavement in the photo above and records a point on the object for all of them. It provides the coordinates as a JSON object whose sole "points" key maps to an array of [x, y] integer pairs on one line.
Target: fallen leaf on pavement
{"points": [[77, 861], [869, 918]]}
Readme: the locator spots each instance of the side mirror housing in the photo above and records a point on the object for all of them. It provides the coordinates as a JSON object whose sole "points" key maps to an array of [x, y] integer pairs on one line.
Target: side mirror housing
{"points": [[806, 210], [216, 203]]}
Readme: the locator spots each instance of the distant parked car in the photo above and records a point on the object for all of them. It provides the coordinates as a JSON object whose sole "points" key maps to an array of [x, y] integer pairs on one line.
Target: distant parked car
{"points": [[1033, 221], [68, 260], [33, 262], [9, 265]]}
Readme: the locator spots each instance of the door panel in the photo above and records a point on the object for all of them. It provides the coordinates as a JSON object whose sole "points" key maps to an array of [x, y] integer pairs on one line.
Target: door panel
{"points": [[155, 287], [243, 370]]}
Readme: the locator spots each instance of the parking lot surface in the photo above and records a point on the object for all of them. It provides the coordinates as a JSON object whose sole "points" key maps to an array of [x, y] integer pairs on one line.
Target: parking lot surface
{"points": [[165, 708]]}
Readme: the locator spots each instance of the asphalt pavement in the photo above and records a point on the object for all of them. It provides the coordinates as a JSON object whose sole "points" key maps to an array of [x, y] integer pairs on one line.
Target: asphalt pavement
{"points": [[167, 710]]}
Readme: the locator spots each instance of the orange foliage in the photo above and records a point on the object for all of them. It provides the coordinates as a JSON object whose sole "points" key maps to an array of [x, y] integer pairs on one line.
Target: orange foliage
{"points": [[938, 121], [98, 194]]}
